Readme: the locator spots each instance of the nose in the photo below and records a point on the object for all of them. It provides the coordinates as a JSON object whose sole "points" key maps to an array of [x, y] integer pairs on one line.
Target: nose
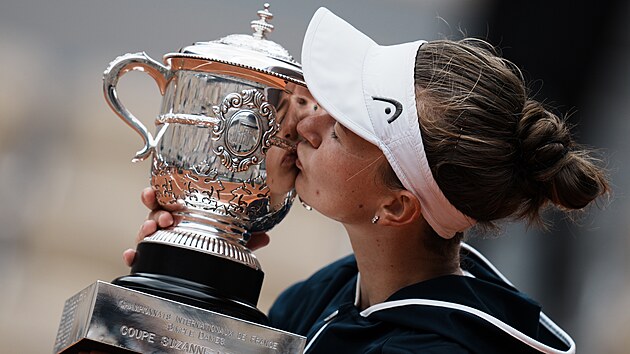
{"points": [[312, 128], [292, 109]]}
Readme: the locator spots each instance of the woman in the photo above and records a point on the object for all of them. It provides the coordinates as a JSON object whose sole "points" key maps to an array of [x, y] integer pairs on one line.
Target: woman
{"points": [[415, 144]]}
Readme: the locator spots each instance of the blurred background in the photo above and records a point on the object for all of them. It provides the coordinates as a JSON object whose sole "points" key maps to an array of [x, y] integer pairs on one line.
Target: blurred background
{"points": [[70, 195]]}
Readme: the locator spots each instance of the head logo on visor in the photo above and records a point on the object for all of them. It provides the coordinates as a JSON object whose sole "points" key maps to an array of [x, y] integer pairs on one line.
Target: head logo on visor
{"points": [[397, 105]]}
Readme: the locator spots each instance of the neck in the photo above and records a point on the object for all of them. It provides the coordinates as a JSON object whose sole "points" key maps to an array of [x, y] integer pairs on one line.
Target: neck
{"points": [[391, 258]]}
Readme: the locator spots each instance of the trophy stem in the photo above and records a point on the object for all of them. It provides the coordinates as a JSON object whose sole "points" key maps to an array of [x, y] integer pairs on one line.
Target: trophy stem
{"points": [[193, 236], [196, 278]]}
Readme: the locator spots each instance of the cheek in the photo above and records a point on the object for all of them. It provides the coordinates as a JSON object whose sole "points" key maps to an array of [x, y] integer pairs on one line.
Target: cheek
{"points": [[349, 175], [325, 186], [337, 185], [347, 188]]}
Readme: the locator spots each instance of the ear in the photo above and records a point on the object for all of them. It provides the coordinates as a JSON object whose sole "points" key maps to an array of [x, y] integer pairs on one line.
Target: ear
{"points": [[403, 208]]}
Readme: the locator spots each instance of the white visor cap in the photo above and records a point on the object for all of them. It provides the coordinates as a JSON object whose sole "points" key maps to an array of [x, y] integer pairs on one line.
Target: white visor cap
{"points": [[370, 90]]}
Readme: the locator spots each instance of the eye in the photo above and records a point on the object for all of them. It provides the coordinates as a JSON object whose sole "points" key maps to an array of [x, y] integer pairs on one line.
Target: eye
{"points": [[388, 110]]}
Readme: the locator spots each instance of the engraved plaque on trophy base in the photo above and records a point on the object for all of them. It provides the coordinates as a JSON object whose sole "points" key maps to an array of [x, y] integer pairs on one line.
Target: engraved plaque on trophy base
{"points": [[114, 319]]}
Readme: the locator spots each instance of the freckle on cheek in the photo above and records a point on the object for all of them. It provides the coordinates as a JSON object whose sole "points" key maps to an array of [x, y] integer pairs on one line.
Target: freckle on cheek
{"points": [[360, 206], [317, 192]]}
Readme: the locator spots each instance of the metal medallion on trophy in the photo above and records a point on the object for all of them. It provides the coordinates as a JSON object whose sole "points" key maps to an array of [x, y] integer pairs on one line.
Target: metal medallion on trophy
{"points": [[222, 161]]}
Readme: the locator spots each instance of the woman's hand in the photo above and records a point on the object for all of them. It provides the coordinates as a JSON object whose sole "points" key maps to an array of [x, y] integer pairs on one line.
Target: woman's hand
{"points": [[161, 218], [158, 219]]}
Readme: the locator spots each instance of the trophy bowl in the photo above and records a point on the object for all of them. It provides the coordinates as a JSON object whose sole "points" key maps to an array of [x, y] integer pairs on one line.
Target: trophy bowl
{"points": [[222, 161]]}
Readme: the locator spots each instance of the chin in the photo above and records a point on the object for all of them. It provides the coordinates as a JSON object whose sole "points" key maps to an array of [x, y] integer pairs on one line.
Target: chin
{"points": [[301, 192]]}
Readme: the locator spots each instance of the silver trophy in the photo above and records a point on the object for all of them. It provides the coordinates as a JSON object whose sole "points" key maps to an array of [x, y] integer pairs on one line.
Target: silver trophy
{"points": [[223, 157]]}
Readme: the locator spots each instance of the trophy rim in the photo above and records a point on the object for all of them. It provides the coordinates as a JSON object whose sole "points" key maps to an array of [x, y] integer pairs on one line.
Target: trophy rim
{"points": [[242, 69]]}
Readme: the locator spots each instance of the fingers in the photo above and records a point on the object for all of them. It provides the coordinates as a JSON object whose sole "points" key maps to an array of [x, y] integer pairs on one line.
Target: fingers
{"points": [[258, 241], [147, 228], [129, 256], [149, 199], [158, 219], [162, 218], [161, 214]]}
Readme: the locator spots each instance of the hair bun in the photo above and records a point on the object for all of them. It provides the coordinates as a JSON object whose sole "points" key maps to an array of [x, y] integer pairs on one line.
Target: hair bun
{"points": [[544, 140], [555, 168]]}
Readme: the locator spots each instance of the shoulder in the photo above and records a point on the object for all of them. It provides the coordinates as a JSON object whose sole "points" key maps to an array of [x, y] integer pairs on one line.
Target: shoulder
{"points": [[330, 277], [300, 305], [347, 265]]}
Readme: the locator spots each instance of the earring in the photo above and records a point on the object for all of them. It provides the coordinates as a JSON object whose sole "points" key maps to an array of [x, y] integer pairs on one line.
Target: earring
{"points": [[306, 206], [375, 219]]}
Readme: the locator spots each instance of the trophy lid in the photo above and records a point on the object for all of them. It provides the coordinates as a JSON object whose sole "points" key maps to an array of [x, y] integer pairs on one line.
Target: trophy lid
{"points": [[249, 52]]}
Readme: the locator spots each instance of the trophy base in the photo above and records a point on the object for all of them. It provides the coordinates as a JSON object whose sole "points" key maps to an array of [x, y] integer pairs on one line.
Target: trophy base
{"points": [[196, 278], [113, 319], [190, 293]]}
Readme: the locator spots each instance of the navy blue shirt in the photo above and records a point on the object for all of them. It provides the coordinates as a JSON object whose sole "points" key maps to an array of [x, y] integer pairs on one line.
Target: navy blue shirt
{"points": [[480, 313]]}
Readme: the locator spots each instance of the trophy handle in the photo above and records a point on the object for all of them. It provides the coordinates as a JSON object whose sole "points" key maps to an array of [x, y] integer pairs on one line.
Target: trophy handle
{"points": [[117, 68]]}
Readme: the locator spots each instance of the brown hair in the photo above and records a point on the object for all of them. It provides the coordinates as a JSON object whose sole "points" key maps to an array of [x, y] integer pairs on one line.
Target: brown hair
{"points": [[494, 152]]}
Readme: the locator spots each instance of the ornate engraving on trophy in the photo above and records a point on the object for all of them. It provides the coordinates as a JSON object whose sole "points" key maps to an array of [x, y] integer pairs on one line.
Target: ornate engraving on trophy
{"points": [[143, 309], [180, 118], [247, 122], [242, 133], [210, 194], [206, 168], [136, 333]]}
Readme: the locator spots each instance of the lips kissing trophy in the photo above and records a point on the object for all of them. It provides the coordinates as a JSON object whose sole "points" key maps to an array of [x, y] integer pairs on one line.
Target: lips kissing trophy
{"points": [[222, 153]]}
